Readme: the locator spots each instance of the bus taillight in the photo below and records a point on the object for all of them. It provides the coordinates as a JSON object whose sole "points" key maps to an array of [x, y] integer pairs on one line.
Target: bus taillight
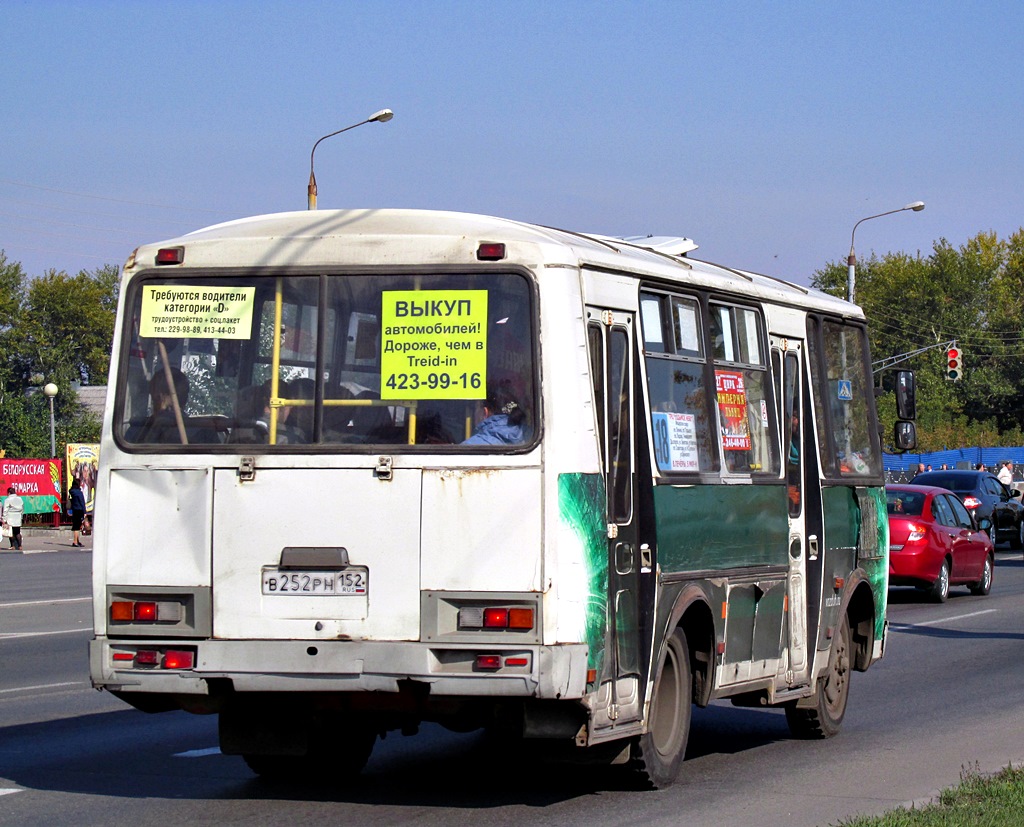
{"points": [[177, 659], [146, 611], [517, 618], [122, 610], [170, 255], [495, 618], [490, 251], [156, 658]]}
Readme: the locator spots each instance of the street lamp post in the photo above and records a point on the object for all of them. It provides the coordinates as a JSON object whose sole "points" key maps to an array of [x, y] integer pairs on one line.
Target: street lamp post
{"points": [[50, 391], [851, 261], [383, 116]]}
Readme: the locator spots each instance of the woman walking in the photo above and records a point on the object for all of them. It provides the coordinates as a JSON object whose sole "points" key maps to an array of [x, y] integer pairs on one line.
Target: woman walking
{"points": [[76, 503], [13, 508]]}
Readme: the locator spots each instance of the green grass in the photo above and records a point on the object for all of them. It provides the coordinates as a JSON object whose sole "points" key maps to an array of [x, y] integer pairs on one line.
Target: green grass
{"points": [[980, 801]]}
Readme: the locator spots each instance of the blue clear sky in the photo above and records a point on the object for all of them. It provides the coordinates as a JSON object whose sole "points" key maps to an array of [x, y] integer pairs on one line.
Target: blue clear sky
{"points": [[764, 131]]}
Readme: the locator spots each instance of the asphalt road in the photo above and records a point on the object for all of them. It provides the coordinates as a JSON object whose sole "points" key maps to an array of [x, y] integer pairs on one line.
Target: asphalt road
{"points": [[948, 695]]}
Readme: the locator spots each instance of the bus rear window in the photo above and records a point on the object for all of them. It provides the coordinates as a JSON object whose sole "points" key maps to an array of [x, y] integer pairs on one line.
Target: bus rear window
{"points": [[415, 360]]}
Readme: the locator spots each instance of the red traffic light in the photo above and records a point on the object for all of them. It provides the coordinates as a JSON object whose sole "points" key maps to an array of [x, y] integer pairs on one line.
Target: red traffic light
{"points": [[953, 364]]}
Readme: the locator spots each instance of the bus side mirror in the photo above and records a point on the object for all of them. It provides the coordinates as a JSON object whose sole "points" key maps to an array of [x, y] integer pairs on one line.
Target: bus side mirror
{"points": [[904, 436], [906, 399]]}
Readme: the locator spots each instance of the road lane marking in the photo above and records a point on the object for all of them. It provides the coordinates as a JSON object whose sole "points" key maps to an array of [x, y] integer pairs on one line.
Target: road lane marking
{"points": [[13, 635], [198, 753], [9, 791], [45, 602], [900, 626], [42, 686]]}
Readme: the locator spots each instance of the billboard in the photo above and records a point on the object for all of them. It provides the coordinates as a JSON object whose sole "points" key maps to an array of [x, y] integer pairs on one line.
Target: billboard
{"points": [[37, 481], [83, 465]]}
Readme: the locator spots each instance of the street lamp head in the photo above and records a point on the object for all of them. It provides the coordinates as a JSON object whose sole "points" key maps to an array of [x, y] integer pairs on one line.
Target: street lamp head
{"points": [[851, 260], [50, 390], [382, 116]]}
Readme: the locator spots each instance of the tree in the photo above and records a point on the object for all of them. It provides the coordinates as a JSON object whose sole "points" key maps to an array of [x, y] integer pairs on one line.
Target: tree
{"points": [[55, 328], [67, 326], [973, 295]]}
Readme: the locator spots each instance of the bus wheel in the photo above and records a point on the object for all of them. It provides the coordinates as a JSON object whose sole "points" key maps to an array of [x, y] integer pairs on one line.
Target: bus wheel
{"points": [[336, 762], [825, 717], [658, 753]]}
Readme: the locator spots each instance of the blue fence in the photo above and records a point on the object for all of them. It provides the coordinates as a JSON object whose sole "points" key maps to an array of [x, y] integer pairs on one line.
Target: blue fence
{"points": [[957, 458]]}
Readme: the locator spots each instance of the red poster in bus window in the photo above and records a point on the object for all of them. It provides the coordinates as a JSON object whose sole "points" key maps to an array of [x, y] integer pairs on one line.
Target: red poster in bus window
{"points": [[732, 410]]}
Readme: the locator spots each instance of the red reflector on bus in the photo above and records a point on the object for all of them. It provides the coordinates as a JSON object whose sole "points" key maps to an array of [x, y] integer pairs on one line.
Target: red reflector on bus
{"points": [[124, 656], [517, 661], [490, 252], [170, 255], [148, 657], [488, 662], [177, 659], [122, 610], [144, 610], [495, 618]]}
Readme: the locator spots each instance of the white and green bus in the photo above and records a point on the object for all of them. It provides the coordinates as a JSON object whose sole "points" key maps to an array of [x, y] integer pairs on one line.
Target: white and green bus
{"points": [[364, 469]]}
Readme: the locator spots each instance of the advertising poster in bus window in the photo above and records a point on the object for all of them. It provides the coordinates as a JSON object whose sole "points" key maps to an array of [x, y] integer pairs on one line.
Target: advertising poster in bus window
{"points": [[83, 464], [197, 312], [433, 344], [675, 441], [37, 481], [732, 410]]}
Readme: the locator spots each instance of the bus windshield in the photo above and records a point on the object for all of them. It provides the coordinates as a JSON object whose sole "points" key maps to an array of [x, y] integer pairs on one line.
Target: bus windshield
{"points": [[306, 360]]}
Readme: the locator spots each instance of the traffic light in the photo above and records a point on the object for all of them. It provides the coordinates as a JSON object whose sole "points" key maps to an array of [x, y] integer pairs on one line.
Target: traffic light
{"points": [[954, 369]]}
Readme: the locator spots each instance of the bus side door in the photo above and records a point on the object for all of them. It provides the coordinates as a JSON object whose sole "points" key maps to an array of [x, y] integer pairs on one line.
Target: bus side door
{"points": [[610, 342], [787, 355]]}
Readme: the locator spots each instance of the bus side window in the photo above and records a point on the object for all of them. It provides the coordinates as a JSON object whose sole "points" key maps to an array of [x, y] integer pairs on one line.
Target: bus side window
{"points": [[745, 413], [676, 384]]}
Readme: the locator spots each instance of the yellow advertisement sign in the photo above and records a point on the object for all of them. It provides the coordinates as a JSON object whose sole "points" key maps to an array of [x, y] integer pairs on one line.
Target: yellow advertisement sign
{"points": [[83, 465], [433, 344], [197, 312]]}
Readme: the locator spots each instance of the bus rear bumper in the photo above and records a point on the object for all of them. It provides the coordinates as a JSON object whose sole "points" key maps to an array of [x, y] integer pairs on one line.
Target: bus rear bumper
{"points": [[131, 665]]}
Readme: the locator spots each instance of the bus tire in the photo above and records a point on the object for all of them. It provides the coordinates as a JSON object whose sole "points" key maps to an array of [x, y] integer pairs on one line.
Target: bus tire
{"points": [[824, 718], [659, 752]]}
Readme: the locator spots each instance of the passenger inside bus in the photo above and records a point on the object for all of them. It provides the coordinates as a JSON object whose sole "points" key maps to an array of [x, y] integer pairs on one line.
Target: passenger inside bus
{"points": [[168, 423], [252, 416], [295, 423], [502, 419], [358, 423]]}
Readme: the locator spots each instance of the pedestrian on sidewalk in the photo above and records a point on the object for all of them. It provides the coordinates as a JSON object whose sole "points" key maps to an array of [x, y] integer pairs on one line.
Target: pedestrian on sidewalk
{"points": [[76, 505], [13, 508]]}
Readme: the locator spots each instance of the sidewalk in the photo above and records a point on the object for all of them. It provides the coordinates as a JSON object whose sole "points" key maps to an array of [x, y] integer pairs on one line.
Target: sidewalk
{"points": [[36, 539]]}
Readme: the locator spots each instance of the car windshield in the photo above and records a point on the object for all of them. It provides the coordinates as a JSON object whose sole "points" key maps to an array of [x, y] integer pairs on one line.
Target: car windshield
{"points": [[904, 502]]}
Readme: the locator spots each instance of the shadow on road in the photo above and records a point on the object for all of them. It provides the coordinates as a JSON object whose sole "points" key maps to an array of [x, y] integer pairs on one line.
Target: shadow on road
{"points": [[133, 755]]}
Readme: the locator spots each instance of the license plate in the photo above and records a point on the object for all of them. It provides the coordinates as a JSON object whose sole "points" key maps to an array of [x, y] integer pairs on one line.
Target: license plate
{"points": [[350, 581]]}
